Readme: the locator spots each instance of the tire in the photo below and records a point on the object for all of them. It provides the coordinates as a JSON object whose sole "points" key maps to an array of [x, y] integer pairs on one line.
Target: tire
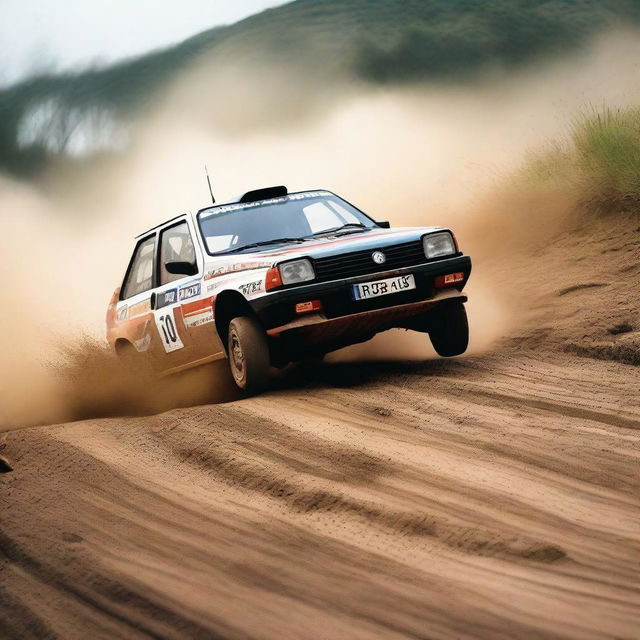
{"points": [[450, 331], [248, 351]]}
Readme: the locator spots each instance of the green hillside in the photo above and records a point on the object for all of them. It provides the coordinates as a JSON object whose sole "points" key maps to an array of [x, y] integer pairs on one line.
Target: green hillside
{"points": [[380, 41]]}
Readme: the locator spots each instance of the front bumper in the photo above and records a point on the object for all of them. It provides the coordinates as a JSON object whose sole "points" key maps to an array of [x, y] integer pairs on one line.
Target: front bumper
{"points": [[345, 320]]}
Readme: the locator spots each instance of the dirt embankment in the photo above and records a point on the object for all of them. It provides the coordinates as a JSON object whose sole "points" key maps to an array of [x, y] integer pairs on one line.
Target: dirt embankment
{"points": [[578, 291], [491, 496]]}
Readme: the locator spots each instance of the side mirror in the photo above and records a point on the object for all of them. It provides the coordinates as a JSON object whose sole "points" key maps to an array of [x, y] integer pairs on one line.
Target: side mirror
{"points": [[385, 224], [181, 268]]}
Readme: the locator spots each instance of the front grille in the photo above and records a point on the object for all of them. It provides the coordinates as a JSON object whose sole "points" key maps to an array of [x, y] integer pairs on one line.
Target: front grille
{"points": [[360, 263]]}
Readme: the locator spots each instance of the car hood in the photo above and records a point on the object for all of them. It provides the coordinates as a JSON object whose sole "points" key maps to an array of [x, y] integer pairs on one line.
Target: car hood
{"points": [[332, 245]]}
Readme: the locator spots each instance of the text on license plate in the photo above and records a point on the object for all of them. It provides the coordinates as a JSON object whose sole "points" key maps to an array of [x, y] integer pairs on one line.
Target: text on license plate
{"points": [[383, 287]]}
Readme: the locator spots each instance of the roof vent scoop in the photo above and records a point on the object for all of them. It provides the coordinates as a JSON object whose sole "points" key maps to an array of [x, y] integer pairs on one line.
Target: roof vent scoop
{"points": [[264, 194]]}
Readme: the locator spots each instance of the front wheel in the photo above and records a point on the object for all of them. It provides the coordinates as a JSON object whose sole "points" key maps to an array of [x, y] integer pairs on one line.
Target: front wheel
{"points": [[450, 331], [248, 354]]}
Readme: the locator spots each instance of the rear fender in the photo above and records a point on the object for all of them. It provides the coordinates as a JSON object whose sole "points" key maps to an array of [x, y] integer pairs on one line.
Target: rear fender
{"points": [[111, 309]]}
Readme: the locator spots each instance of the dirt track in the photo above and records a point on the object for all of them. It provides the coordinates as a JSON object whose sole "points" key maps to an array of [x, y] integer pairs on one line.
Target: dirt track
{"points": [[494, 496]]}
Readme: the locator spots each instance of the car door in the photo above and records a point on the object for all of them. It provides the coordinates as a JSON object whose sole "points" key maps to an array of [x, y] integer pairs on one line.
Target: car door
{"points": [[198, 311], [174, 292], [133, 310]]}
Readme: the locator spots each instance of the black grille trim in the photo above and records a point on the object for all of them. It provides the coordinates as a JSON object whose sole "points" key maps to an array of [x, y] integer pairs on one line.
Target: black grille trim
{"points": [[360, 263]]}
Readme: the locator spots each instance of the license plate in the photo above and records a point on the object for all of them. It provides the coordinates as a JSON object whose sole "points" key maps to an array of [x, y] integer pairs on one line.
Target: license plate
{"points": [[384, 287]]}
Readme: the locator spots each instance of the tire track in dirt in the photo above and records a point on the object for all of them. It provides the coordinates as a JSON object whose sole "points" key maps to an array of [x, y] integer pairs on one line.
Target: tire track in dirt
{"points": [[87, 584], [265, 481], [433, 500]]}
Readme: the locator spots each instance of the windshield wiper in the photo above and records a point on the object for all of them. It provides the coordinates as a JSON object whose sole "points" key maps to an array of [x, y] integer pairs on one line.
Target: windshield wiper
{"points": [[357, 225], [264, 243]]}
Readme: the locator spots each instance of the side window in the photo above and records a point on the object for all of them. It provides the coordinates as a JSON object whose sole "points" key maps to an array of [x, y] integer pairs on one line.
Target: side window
{"points": [[176, 245], [140, 277]]}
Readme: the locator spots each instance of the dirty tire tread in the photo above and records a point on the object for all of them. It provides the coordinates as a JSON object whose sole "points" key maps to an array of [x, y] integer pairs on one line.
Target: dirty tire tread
{"points": [[450, 334], [255, 348]]}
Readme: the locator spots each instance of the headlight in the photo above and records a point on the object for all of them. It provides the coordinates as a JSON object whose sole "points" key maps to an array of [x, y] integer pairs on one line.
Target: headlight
{"points": [[296, 271], [437, 245]]}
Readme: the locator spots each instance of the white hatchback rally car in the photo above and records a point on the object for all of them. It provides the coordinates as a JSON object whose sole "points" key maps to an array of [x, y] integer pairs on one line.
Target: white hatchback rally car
{"points": [[277, 277]]}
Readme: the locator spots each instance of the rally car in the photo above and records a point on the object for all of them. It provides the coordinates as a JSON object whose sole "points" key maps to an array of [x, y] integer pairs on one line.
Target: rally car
{"points": [[276, 277]]}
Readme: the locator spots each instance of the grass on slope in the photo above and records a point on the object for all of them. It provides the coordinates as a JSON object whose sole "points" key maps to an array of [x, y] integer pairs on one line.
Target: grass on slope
{"points": [[600, 160], [606, 152]]}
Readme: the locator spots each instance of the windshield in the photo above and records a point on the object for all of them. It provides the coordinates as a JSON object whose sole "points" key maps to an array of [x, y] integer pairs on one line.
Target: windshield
{"points": [[297, 216]]}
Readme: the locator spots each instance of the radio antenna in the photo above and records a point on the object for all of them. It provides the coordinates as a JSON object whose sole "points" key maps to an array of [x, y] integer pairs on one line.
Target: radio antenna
{"points": [[209, 183]]}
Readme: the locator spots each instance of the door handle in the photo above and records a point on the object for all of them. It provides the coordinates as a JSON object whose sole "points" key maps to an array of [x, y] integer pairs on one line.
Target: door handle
{"points": [[153, 301]]}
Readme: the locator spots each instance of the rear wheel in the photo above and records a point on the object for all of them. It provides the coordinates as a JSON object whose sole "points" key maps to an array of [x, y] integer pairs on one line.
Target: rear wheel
{"points": [[450, 331], [248, 354]]}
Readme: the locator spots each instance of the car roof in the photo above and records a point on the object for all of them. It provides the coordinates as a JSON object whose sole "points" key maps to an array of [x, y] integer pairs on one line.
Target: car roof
{"points": [[162, 224], [256, 195]]}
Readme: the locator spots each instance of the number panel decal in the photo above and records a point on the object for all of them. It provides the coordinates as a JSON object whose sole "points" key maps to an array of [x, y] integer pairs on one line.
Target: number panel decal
{"points": [[166, 325]]}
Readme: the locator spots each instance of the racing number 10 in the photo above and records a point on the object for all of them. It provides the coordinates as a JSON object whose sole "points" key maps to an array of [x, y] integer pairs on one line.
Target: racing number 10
{"points": [[167, 330]]}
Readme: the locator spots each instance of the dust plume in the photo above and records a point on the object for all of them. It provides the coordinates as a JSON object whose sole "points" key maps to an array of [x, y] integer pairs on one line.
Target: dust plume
{"points": [[427, 155]]}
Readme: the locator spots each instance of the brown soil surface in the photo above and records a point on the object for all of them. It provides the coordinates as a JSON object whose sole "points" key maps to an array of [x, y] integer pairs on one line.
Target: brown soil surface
{"points": [[492, 496]]}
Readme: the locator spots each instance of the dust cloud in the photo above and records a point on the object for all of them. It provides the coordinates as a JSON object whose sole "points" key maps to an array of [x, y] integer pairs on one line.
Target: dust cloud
{"points": [[428, 155]]}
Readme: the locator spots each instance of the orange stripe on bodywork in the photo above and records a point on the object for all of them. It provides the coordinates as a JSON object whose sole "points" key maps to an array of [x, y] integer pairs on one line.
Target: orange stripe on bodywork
{"points": [[196, 307]]}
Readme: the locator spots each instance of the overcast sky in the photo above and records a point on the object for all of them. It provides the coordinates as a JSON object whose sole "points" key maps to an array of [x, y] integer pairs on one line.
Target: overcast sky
{"points": [[62, 34]]}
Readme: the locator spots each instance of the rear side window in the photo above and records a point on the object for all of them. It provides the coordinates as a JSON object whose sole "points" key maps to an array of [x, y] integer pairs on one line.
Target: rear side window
{"points": [[140, 276], [176, 245]]}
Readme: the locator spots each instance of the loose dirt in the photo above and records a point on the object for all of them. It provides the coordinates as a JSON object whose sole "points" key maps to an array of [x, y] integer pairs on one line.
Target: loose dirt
{"points": [[490, 496]]}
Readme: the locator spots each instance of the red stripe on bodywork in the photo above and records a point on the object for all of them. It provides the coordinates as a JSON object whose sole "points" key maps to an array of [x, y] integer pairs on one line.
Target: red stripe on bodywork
{"points": [[196, 307]]}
